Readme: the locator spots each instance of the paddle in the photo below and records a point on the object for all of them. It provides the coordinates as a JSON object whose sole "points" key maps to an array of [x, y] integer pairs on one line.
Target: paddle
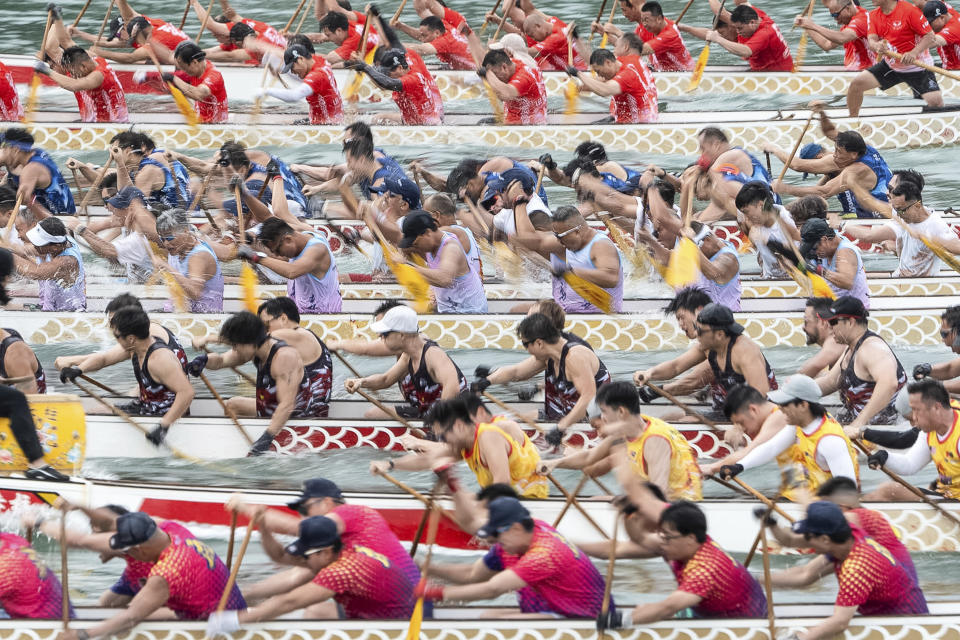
{"points": [[906, 485], [232, 580], [785, 482], [197, 198], [186, 12], [503, 405], [13, 218], [416, 494], [103, 25], [289, 24], [767, 583], [396, 15], [802, 46], [35, 78], [704, 55], [86, 5], [76, 181], [684, 407], [350, 94], [483, 27], [569, 502], [95, 188], [226, 410], [683, 267], [183, 104], [347, 364], [608, 587], [613, 11], [593, 28], [572, 91], [572, 498], [762, 498], [923, 65], [97, 383], [423, 521], [248, 277], [684, 12], [133, 423], [393, 414], [416, 619], [203, 25], [300, 24], [64, 506]]}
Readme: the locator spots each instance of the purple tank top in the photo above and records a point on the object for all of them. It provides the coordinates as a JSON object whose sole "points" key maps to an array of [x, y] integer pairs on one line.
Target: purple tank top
{"points": [[859, 290], [466, 294], [314, 295], [569, 299], [211, 298], [726, 294], [56, 295]]}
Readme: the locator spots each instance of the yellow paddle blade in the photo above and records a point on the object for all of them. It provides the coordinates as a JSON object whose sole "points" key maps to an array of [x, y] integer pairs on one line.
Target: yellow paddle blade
{"points": [[698, 70], [189, 113], [177, 295], [412, 282], [572, 94], [494, 103], [820, 287], [745, 245], [603, 40], [595, 295], [801, 52], [683, 268], [32, 98], [369, 57], [938, 250], [413, 631], [248, 284], [350, 93]]}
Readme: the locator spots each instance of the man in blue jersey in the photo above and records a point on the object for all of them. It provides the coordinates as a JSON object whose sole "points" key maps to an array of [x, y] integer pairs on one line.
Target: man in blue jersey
{"points": [[39, 183]]}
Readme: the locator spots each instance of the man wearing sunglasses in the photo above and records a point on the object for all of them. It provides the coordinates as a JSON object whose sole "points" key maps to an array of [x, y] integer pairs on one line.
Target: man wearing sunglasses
{"points": [[190, 261], [854, 22], [871, 581], [950, 335]]}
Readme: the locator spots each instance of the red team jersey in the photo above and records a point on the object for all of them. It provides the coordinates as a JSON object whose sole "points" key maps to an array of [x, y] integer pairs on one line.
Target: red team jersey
{"points": [[265, 33], [876, 525], [135, 574], [196, 577], [453, 18], [872, 580], [326, 106], [638, 100], [419, 101], [10, 108], [530, 106], [857, 55], [28, 589], [950, 52], [902, 29], [164, 33], [770, 51], [106, 103], [551, 53], [452, 48], [214, 108], [557, 571], [669, 51], [352, 42], [364, 527], [368, 585], [727, 589]]}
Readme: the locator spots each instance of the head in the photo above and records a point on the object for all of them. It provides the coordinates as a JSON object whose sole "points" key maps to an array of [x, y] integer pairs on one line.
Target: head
{"points": [[906, 198], [716, 326], [232, 160], [442, 207], [385, 306], [509, 524], [552, 309], [396, 327], [499, 63], [318, 545], [402, 195], [841, 491], [936, 14], [431, 28], [301, 40], [755, 200], [318, 497], [849, 148], [104, 519], [847, 319], [800, 399], [177, 234], [279, 238], [842, 11], [121, 301], [815, 326], [818, 239], [138, 536], [604, 63], [420, 232], [451, 421], [538, 335], [746, 407], [17, 147], [491, 492], [745, 20], [139, 30], [825, 529], [950, 328], [537, 27], [685, 307], [77, 61], [591, 150], [335, 26], [475, 407], [464, 180], [239, 33], [618, 402], [930, 403], [706, 239], [629, 44], [651, 17], [298, 60], [358, 129], [358, 152], [394, 63], [244, 332], [712, 142], [130, 326], [631, 9], [683, 528], [570, 228], [49, 237], [279, 313], [807, 207]]}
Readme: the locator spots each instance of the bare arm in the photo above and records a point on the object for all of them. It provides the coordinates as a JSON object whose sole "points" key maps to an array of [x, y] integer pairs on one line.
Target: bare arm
{"points": [[287, 371], [153, 596], [165, 368]]}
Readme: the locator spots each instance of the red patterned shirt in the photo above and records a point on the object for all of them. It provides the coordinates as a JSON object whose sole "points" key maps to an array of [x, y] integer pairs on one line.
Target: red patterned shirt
{"points": [[135, 575], [872, 580], [364, 527], [28, 589], [902, 28], [107, 102], [857, 55], [164, 33], [530, 106], [196, 578], [326, 106], [551, 53], [876, 525], [726, 588], [769, 51], [637, 101], [452, 48], [950, 52], [368, 585], [265, 33], [669, 51], [419, 101], [352, 42]]}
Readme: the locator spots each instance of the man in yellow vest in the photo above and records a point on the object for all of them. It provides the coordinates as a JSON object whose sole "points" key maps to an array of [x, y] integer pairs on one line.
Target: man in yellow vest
{"points": [[939, 442], [820, 449], [656, 450]]}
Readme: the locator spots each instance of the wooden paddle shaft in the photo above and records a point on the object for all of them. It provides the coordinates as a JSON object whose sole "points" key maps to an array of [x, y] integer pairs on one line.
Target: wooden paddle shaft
{"points": [[578, 506], [603, 8], [183, 19], [396, 15], [203, 25], [806, 13], [233, 537], [506, 10], [566, 507], [199, 196], [86, 5], [503, 405], [95, 187], [416, 494], [13, 217], [346, 364], [427, 514], [97, 383], [496, 6], [684, 12], [103, 25], [289, 24], [303, 19], [767, 582], [605, 605], [226, 410], [236, 568], [64, 574], [685, 407], [764, 499], [796, 147], [924, 65]]}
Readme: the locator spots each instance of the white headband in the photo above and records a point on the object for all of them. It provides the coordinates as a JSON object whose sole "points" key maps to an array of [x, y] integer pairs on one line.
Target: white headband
{"points": [[701, 235], [38, 237]]}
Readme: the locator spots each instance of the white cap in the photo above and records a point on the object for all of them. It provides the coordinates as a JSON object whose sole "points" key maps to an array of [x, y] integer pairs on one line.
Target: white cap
{"points": [[402, 319], [797, 387]]}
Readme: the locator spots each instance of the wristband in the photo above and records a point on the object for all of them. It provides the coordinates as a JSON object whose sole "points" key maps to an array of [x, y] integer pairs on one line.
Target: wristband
{"points": [[521, 200], [392, 464], [83, 634]]}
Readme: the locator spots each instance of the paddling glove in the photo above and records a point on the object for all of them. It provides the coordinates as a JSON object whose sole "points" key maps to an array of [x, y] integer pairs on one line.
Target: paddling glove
{"points": [[428, 590], [554, 437], [479, 385], [70, 374], [765, 515], [526, 394], [613, 619], [41, 67], [728, 471], [244, 252], [261, 446], [195, 367], [878, 458], [547, 161], [647, 395], [922, 371], [222, 622], [780, 249], [157, 436]]}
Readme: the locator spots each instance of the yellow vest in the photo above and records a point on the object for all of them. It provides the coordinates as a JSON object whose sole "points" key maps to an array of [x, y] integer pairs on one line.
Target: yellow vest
{"points": [[524, 459], [685, 480], [804, 453], [946, 455]]}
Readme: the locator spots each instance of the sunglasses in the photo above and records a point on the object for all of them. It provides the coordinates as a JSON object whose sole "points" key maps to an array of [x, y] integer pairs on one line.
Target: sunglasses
{"points": [[223, 162], [944, 334], [702, 330], [563, 234], [527, 343], [167, 238], [385, 334], [310, 552]]}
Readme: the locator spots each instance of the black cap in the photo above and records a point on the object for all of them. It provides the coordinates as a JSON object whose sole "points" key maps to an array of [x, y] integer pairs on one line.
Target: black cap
{"points": [[393, 59], [934, 9], [403, 187], [291, 54], [846, 307], [415, 224], [814, 229], [137, 25], [132, 529], [316, 488], [717, 315], [824, 518], [317, 532], [504, 512], [114, 29]]}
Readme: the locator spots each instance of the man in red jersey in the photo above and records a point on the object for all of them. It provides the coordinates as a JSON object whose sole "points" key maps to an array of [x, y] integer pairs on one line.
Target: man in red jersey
{"points": [[854, 22], [662, 40], [137, 30], [899, 26], [871, 580], [519, 86], [28, 589], [99, 94], [338, 28], [221, 26], [628, 82], [201, 82], [10, 108], [549, 48], [947, 28], [414, 90], [319, 87], [447, 43], [759, 41]]}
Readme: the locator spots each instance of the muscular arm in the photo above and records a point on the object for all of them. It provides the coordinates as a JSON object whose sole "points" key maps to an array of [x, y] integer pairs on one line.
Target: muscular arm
{"points": [[802, 575], [441, 368], [462, 573], [881, 366], [580, 370], [316, 257], [676, 601], [453, 263], [503, 582], [301, 597], [389, 377], [523, 370], [201, 267], [503, 90], [287, 370], [21, 361], [607, 270], [153, 596], [748, 360], [656, 455], [165, 368], [835, 624], [828, 354]]}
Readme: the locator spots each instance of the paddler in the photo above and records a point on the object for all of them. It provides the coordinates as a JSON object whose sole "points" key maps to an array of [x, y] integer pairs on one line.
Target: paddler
{"points": [[549, 44], [10, 108], [530, 553], [424, 371], [232, 38], [198, 79], [28, 589], [190, 261], [628, 82], [518, 85], [445, 41], [657, 451], [947, 27], [137, 31], [816, 327], [572, 372], [344, 28], [165, 390], [755, 419], [949, 370], [284, 389], [759, 41], [853, 34], [33, 173], [444, 211], [728, 168], [154, 177], [869, 374], [813, 440], [187, 577], [765, 221], [834, 258], [661, 39], [871, 581], [17, 359], [58, 267], [495, 448], [318, 86]]}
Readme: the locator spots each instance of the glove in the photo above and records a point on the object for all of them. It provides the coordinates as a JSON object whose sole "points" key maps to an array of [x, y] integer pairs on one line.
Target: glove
{"points": [[157, 436], [428, 590], [222, 622], [139, 77], [273, 169], [922, 371], [526, 394], [447, 473], [554, 437], [70, 374], [237, 181], [572, 71], [481, 372], [374, 10], [196, 366], [479, 385], [482, 72], [559, 267], [728, 471], [353, 64], [647, 395], [41, 67], [167, 76], [765, 515], [260, 93], [612, 619], [244, 252], [547, 161], [781, 249], [878, 458], [261, 446]]}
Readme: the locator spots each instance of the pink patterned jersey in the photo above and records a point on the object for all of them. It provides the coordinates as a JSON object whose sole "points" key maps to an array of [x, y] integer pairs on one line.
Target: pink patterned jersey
{"points": [[27, 588], [872, 580], [876, 525], [726, 588], [558, 572], [364, 527], [368, 585], [135, 575], [196, 577]]}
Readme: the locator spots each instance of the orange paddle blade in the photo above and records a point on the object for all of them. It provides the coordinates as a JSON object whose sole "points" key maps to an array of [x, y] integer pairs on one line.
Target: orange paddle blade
{"points": [[698, 70], [248, 283], [683, 268]]}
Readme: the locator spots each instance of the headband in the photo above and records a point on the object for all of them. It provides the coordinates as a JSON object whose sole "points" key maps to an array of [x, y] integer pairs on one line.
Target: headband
{"points": [[701, 235], [23, 146]]}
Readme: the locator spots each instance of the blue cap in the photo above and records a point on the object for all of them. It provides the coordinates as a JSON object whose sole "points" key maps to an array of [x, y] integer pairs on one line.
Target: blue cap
{"points": [[123, 198], [494, 187], [823, 519], [316, 488], [810, 151], [504, 512], [526, 177], [403, 187], [132, 529], [318, 532]]}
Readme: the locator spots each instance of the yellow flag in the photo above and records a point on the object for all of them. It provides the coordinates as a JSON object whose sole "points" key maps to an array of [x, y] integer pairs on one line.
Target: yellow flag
{"points": [[683, 268]]}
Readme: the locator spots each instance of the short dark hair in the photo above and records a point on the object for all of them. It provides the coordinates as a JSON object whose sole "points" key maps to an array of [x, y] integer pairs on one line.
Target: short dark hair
{"points": [[743, 14], [128, 140], [131, 321], [240, 31], [821, 306], [440, 204], [652, 8], [274, 229], [686, 518], [472, 401], [552, 309], [602, 56], [836, 484], [433, 23], [755, 191], [334, 21], [591, 149], [121, 301], [537, 326], [188, 51], [807, 207], [18, 134], [280, 306], [632, 40], [688, 299], [243, 328], [952, 316], [656, 491], [713, 133], [73, 55], [497, 490], [359, 129], [668, 193], [909, 189], [442, 414], [495, 58], [740, 397], [386, 305], [302, 40], [931, 391], [620, 394], [465, 171], [849, 140], [911, 175], [8, 197], [115, 508], [359, 147]]}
